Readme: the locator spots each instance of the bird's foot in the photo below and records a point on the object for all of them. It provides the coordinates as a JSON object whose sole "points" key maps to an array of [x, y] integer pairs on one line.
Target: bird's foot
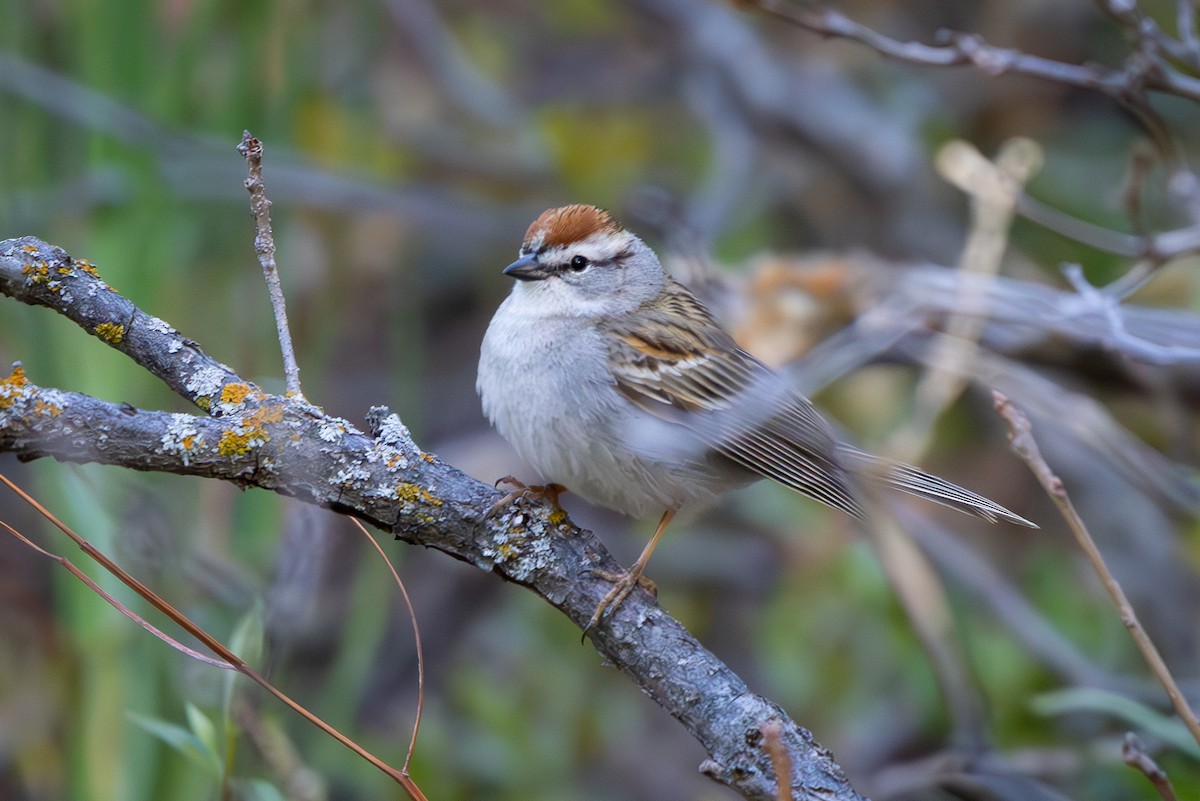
{"points": [[623, 584], [546, 493]]}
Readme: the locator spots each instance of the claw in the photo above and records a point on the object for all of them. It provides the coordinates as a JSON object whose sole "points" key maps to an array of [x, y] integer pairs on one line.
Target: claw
{"points": [[546, 493], [623, 584]]}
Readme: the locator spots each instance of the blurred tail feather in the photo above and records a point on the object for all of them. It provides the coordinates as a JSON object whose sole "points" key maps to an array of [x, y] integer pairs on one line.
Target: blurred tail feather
{"points": [[907, 478]]}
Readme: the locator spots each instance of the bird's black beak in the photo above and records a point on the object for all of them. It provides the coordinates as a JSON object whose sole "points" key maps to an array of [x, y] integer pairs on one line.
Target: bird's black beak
{"points": [[527, 268]]}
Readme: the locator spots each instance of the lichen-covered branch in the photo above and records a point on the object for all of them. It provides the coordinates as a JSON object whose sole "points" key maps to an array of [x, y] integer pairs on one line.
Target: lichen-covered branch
{"points": [[291, 447]]}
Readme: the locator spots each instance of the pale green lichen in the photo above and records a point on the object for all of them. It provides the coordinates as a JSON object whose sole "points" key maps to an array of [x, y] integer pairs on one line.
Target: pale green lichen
{"points": [[203, 384], [521, 546], [182, 438]]}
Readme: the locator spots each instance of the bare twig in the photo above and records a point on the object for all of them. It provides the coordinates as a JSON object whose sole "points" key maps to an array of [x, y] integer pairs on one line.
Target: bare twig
{"points": [[1150, 37], [264, 244], [412, 615], [772, 734], [1133, 753], [1141, 160], [1025, 446], [113, 602], [1158, 247]]}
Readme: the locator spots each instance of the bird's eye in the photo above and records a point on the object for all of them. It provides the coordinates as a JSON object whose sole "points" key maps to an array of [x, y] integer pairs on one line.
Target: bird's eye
{"points": [[579, 264]]}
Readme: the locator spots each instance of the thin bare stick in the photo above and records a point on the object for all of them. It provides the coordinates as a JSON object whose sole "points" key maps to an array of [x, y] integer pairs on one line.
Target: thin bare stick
{"points": [[215, 645], [264, 244], [1133, 754], [1023, 443], [412, 615], [772, 734], [115, 604]]}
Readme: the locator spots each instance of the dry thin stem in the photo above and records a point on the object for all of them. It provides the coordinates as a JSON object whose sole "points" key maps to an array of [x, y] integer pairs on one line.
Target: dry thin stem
{"points": [[412, 615], [1133, 754], [264, 244], [921, 593], [1025, 446], [772, 734], [213, 644], [114, 603]]}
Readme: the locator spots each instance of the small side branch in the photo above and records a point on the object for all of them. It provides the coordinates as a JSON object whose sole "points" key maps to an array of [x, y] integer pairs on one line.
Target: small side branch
{"points": [[264, 244]]}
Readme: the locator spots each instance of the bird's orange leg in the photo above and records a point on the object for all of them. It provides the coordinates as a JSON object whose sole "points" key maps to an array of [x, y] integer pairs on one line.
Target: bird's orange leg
{"points": [[623, 583]]}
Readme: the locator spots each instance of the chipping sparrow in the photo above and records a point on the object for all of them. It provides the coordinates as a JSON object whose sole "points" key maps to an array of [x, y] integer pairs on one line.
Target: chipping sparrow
{"points": [[612, 378]]}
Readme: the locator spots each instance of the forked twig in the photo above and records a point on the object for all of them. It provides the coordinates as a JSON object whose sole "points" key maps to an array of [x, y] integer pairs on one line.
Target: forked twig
{"points": [[1133, 754], [115, 604]]}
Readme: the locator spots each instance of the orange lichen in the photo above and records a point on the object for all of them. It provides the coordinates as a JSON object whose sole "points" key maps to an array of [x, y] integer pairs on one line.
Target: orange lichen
{"points": [[37, 272], [87, 267], [16, 378], [267, 414], [235, 393], [13, 388], [235, 443], [44, 407], [250, 433]]}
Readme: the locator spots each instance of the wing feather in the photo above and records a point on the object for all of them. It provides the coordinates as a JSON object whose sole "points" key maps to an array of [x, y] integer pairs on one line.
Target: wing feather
{"points": [[696, 376]]}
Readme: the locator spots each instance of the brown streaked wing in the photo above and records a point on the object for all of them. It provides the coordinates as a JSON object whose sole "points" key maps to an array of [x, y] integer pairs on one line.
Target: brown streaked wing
{"points": [[699, 378]]}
